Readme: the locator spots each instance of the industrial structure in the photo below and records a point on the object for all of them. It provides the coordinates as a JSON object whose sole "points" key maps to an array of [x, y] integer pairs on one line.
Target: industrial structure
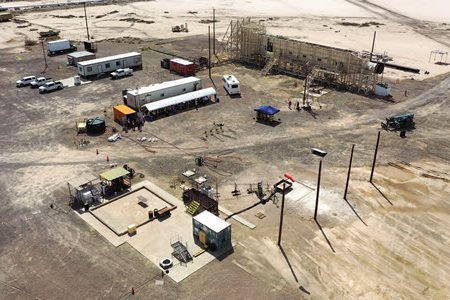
{"points": [[247, 42]]}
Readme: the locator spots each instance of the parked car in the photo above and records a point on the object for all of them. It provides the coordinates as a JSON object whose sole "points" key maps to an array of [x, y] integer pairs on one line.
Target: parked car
{"points": [[25, 81], [40, 82], [51, 86], [121, 73]]}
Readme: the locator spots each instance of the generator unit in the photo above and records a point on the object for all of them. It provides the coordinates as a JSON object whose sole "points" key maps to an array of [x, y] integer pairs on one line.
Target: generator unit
{"points": [[399, 122]]}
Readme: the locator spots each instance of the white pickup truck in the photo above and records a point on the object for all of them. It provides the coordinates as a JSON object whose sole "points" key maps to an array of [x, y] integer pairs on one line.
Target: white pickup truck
{"points": [[40, 82], [121, 73], [25, 81], [51, 86]]}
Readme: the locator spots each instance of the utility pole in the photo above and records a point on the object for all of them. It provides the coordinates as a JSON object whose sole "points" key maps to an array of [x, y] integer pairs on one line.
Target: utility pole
{"points": [[45, 57], [318, 189], [304, 91], [209, 51], [280, 229], [214, 31], [375, 157], [85, 18], [373, 44], [348, 174]]}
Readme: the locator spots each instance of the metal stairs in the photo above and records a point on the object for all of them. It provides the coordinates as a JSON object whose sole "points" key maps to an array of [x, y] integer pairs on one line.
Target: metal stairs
{"points": [[193, 207]]}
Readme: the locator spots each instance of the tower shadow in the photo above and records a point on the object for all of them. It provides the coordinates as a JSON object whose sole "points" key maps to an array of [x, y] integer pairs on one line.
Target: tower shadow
{"points": [[356, 213], [292, 271], [325, 236], [381, 193]]}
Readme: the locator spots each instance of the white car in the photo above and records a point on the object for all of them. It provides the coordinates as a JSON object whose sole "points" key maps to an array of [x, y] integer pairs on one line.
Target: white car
{"points": [[121, 73], [25, 81], [51, 86], [40, 82]]}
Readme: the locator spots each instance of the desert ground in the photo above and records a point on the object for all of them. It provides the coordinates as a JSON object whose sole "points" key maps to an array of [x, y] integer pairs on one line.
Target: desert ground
{"points": [[388, 240]]}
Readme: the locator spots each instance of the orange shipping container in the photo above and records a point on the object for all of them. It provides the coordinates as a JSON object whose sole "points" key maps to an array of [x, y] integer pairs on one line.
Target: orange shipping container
{"points": [[121, 111]]}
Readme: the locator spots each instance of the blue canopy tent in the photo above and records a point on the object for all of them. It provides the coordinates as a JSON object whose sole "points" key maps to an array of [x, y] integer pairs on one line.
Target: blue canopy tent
{"points": [[266, 112]]}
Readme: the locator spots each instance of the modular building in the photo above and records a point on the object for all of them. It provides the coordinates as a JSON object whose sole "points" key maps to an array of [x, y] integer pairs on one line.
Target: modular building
{"points": [[76, 57], [211, 231], [109, 64], [141, 96], [123, 113], [182, 67]]}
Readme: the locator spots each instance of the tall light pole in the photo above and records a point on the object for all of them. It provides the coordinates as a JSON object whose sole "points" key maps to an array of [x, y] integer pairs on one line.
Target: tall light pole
{"points": [[321, 154], [375, 157], [85, 17], [348, 174]]}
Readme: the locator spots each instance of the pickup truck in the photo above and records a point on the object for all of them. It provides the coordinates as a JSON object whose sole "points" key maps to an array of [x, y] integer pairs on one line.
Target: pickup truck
{"points": [[40, 82], [25, 81], [51, 86], [121, 73]]}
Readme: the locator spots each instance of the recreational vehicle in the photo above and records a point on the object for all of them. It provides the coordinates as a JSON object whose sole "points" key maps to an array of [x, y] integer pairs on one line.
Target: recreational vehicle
{"points": [[231, 85]]}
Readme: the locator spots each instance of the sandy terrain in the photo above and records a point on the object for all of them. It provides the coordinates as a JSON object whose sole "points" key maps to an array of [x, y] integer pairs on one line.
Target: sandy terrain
{"points": [[408, 41]]}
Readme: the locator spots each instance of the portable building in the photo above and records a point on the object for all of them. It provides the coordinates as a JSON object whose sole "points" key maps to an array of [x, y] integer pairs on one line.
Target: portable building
{"points": [[122, 113], [211, 231], [182, 67], [76, 57], [109, 64], [141, 96]]}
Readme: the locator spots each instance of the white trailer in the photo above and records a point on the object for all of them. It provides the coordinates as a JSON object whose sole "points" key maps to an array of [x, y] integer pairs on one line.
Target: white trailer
{"points": [[141, 96], [231, 85], [59, 46], [109, 64]]}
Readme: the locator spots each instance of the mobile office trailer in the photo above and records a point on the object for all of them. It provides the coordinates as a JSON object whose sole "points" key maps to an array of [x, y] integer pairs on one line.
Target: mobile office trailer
{"points": [[59, 46], [231, 85], [109, 64], [182, 67], [211, 231], [141, 96]]}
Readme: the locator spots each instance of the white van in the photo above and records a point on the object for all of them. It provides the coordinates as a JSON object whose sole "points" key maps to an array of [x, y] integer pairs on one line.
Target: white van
{"points": [[231, 85]]}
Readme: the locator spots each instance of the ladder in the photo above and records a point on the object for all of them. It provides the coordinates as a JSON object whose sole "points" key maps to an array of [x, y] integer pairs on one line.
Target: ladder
{"points": [[193, 207], [269, 65]]}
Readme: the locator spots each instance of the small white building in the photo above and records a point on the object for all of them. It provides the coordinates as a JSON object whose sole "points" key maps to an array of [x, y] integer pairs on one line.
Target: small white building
{"points": [[141, 96], [211, 231], [109, 64], [231, 85]]}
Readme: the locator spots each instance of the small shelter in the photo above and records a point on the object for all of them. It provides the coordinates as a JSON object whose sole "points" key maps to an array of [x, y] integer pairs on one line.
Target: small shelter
{"points": [[266, 113], [115, 181], [75, 57], [83, 190]]}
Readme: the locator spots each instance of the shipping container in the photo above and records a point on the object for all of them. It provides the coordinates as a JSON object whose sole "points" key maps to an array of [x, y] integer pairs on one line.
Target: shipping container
{"points": [[76, 57], [122, 112], [109, 64], [141, 96], [211, 231], [182, 67]]}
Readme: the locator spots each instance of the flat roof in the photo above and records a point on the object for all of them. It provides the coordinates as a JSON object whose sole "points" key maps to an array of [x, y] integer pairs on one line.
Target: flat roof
{"points": [[108, 58], [82, 179], [114, 173], [124, 109], [57, 41], [80, 54], [163, 85], [181, 61], [211, 221], [231, 78], [179, 99]]}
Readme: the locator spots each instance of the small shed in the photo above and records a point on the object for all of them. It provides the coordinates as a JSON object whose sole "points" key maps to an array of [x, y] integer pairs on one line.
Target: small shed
{"points": [[266, 113], [115, 181], [123, 114], [382, 89], [182, 67], [211, 231], [75, 57]]}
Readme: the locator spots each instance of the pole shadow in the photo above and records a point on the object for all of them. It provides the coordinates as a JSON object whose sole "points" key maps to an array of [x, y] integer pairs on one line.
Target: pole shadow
{"points": [[381, 193], [325, 236], [292, 271], [356, 213]]}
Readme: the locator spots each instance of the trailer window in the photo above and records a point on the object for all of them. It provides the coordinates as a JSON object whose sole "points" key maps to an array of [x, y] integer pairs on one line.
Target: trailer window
{"points": [[162, 95], [184, 90], [117, 63], [89, 69], [234, 86], [79, 68], [107, 65]]}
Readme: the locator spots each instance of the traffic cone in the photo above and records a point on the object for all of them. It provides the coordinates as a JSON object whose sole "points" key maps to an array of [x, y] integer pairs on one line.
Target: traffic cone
{"points": [[107, 157], [97, 151]]}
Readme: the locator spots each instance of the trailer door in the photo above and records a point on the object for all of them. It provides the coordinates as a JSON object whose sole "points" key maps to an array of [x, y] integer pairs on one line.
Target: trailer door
{"points": [[100, 69], [124, 63]]}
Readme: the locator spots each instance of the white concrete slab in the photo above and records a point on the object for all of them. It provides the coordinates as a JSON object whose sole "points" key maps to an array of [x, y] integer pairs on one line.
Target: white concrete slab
{"points": [[70, 82]]}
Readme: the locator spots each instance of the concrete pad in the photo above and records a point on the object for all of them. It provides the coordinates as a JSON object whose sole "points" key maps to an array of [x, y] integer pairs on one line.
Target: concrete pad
{"points": [[131, 208], [237, 218], [70, 82]]}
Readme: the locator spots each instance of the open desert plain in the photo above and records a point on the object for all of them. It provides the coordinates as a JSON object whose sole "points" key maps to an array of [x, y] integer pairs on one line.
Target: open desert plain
{"points": [[319, 170]]}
